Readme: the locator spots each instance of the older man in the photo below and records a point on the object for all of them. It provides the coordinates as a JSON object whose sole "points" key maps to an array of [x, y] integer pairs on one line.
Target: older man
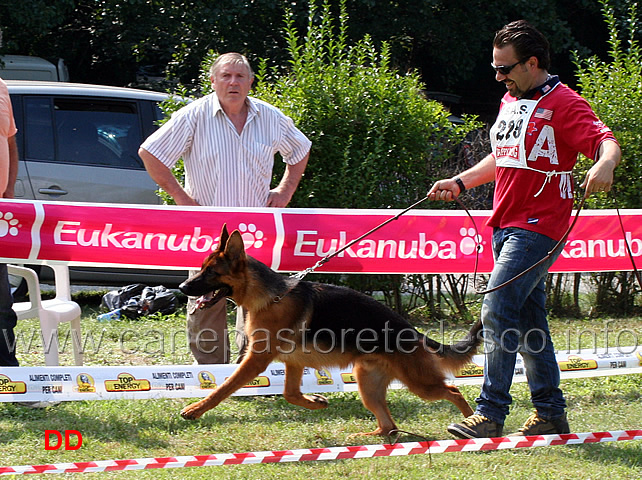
{"points": [[227, 141]]}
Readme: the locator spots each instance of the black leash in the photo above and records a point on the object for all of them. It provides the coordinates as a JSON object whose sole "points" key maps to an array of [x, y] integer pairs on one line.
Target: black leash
{"points": [[552, 252], [300, 275], [628, 247], [560, 244], [325, 259], [557, 246]]}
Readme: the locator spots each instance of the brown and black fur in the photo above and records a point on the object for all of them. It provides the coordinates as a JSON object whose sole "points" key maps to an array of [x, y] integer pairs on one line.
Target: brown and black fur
{"points": [[284, 313]]}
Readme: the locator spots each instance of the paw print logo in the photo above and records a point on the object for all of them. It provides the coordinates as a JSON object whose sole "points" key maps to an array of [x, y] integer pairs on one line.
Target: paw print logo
{"points": [[252, 237], [8, 225], [470, 241]]}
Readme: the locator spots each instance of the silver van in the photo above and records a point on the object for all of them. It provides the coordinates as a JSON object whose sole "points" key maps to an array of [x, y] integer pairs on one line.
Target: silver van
{"points": [[79, 143]]}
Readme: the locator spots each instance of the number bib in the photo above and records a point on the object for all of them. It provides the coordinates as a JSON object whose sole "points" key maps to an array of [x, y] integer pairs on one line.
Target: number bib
{"points": [[508, 136], [508, 133]]}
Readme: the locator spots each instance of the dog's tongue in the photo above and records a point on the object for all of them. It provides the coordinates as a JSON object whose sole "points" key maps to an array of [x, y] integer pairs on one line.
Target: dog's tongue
{"points": [[203, 300]]}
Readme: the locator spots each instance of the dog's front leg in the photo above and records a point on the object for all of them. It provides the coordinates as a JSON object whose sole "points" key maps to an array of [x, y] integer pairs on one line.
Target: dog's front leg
{"points": [[252, 366], [292, 391]]}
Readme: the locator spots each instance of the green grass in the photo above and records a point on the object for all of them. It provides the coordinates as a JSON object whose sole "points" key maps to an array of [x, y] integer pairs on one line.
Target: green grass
{"points": [[121, 429]]}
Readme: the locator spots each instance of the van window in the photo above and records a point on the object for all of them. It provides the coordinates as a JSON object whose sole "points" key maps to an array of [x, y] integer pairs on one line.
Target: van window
{"points": [[97, 132], [87, 132], [39, 137]]}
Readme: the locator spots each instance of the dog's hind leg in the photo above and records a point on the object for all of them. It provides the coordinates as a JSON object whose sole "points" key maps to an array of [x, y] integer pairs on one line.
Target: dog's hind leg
{"points": [[458, 399], [292, 391], [252, 366], [440, 391], [373, 382], [422, 376]]}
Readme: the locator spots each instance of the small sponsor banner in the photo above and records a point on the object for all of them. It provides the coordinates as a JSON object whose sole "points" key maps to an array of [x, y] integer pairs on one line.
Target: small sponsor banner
{"points": [[184, 381]]}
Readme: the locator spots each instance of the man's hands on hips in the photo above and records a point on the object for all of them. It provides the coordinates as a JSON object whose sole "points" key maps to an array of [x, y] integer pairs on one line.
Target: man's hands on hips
{"points": [[278, 198]]}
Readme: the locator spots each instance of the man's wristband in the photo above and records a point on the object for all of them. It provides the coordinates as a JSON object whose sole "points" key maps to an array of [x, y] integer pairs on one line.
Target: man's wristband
{"points": [[460, 184]]}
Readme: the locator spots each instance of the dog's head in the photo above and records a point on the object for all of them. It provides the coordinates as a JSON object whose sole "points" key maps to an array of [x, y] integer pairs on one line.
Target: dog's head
{"points": [[221, 272]]}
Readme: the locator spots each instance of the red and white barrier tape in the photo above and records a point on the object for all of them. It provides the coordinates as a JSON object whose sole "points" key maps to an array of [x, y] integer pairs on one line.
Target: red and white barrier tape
{"points": [[331, 453]]}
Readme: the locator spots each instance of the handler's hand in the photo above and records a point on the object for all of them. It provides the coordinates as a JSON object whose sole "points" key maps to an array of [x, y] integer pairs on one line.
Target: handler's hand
{"points": [[446, 190], [599, 178]]}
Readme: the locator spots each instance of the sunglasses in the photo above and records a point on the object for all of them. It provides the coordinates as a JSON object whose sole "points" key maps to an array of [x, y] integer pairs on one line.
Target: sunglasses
{"points": [[505, 69]]}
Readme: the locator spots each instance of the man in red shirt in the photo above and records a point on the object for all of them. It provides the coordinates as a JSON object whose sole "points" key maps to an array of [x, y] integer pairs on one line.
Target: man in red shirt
{"points": [[541, 127]]}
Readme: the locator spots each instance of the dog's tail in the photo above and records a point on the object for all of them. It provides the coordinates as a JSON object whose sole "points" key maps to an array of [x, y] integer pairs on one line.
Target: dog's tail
{"points": [[454, 357]]}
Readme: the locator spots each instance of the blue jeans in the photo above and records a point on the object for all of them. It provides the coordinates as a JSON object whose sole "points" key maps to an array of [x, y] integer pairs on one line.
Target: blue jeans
{"points": [[514, 319], [7, 321]]}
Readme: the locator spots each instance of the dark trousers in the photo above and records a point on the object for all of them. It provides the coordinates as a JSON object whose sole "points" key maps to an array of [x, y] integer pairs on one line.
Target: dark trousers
{"points": [[8, 321]]}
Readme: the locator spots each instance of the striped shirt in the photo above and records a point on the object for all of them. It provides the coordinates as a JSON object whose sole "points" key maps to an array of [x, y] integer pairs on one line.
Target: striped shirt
{"points": [[222, 167]]}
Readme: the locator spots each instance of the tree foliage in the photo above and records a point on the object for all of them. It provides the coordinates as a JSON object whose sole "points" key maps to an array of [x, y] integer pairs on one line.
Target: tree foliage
{"points": [[377, 142], [447, 41], [614, 89], [374, 135]]}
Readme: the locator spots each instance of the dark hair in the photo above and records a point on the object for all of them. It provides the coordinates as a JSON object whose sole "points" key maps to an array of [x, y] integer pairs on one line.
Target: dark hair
{"points": [[526, 40]]}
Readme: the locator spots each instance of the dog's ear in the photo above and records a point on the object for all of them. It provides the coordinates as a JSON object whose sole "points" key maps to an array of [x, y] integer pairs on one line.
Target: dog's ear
{"points": [[234, 247], [224, 237]]}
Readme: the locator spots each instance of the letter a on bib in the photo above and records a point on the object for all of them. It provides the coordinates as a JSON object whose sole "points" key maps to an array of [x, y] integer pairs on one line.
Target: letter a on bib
{"points": [[545, 146]]}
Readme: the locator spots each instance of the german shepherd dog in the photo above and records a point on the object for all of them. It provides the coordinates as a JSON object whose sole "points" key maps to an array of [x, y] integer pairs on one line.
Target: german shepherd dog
{"points": [[308, 324]]}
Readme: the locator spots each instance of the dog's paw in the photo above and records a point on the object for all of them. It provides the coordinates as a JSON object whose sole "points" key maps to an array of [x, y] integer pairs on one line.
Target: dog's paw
{"points": [[377, 432], [317, 401], [190, 412]]}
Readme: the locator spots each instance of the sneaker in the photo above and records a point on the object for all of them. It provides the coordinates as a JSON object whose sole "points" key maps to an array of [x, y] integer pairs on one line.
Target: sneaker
{"points": [[476, 426], [536, 425]]}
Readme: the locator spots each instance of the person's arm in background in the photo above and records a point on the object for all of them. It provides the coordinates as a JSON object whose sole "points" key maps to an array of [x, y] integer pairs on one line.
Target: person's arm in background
{"points": [[282, 194], [13, 168], [165, 179]]}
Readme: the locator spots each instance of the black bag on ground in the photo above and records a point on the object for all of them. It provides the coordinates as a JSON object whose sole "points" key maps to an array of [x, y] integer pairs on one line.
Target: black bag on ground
{"points": [[118, 298], [138, 300]]}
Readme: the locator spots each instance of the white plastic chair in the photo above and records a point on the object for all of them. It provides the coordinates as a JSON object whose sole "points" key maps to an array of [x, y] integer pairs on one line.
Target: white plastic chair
{"points": [[51, 312]]}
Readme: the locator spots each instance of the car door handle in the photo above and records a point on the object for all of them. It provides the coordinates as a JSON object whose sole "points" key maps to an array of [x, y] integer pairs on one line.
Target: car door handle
{"points": [[52, 191]]}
